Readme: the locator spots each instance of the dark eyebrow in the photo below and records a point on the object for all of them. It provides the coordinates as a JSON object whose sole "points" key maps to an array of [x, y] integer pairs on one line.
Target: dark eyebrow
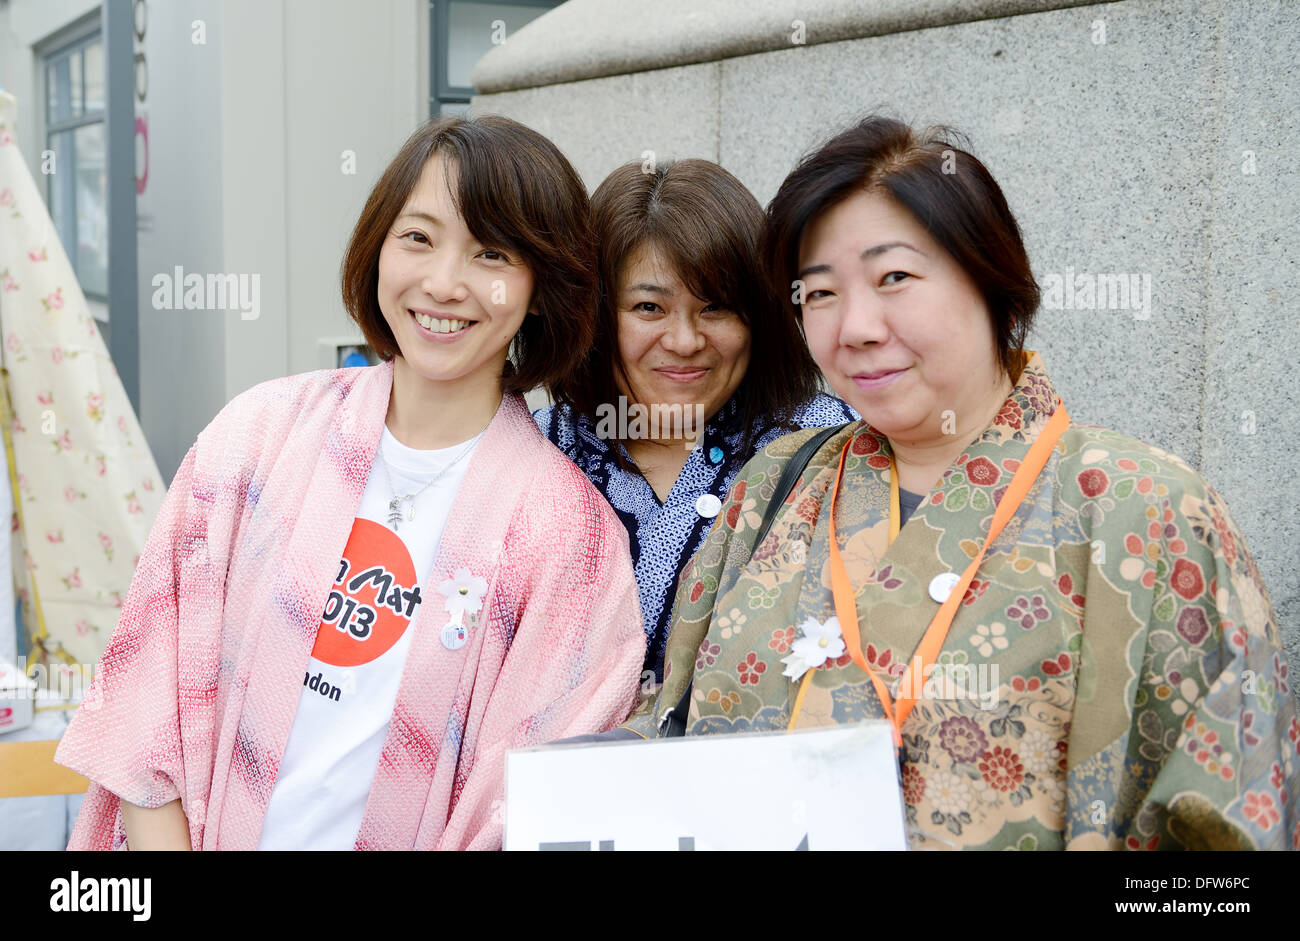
{"points": [[886, 246], [871, 252], [420, 214], [813, 269], [651, 288]]}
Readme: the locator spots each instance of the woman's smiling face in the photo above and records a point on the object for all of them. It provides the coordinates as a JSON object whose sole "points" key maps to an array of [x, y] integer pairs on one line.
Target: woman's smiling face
{"points": [[453, 304], [898, 328], [675, 348]]}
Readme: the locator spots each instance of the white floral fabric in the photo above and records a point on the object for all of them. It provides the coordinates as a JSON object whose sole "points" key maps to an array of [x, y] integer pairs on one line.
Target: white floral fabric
{"points": [[88, 488]]}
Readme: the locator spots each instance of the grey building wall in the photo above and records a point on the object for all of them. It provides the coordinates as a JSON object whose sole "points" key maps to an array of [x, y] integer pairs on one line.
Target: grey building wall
{"points": [[1148, 137], [262, 125], [264, 141]]}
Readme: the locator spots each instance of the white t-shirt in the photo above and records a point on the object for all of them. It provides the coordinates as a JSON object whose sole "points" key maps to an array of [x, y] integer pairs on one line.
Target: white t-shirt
{"points": [[351, 683]]}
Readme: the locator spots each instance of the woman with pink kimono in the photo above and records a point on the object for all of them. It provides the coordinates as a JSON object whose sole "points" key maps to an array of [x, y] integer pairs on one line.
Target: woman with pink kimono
{"points": [[366, 585]]}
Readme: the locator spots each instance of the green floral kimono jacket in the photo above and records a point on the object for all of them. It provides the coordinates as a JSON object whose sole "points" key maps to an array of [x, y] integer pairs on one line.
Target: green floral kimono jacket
{"points": [[1114, 677]]}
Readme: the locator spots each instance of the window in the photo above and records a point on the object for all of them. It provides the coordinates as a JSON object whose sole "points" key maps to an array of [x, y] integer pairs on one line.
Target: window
{"points": [[463, 31], [74, 131]]}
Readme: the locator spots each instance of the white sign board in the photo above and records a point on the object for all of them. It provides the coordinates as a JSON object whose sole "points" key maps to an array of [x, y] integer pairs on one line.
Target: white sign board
{"points": [[830, 788]]}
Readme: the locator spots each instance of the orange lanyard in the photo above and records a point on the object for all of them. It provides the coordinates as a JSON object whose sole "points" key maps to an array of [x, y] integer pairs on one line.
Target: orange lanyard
{"points": [[846, 609]]}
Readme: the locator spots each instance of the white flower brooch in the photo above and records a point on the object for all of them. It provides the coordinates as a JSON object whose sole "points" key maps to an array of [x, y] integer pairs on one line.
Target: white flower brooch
{"points": [[820, 642], [462, 594]]}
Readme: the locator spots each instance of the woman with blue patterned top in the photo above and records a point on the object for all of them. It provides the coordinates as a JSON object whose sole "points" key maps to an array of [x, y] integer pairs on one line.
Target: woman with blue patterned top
{"points": [[696, 366]]}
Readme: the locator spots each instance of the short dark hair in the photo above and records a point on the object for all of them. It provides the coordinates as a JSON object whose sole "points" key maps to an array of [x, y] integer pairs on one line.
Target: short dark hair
{"points": [[516, 192], [932, 175], [708, 226]]}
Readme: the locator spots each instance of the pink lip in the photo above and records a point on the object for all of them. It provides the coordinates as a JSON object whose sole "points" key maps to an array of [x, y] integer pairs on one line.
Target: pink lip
{"points": [[878, 379], [681, 375]]}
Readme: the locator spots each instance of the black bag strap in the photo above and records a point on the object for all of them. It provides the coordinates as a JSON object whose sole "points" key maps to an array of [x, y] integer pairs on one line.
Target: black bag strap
{"points": [[673, 722], [790, 476]]}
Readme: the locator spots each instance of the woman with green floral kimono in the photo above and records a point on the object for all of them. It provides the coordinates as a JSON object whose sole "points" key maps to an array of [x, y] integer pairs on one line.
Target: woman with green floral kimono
{"points": [[1113, 675]]}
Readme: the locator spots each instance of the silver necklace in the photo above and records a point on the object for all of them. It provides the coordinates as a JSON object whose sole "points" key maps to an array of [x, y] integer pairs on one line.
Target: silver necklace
{"points": [[395, 504]]}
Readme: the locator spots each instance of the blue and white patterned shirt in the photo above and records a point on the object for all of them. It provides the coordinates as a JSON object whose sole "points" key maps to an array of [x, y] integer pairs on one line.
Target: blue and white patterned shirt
{"points": [[664, 536]]}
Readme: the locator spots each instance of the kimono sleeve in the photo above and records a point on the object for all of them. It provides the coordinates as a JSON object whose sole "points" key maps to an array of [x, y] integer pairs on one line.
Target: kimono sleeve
{"points": [[128, 736], [574, 663], [1216, 695]]}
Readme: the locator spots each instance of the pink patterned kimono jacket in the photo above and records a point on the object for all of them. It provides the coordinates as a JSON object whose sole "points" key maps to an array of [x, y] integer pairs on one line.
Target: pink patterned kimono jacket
{"points": [[196, 693]]}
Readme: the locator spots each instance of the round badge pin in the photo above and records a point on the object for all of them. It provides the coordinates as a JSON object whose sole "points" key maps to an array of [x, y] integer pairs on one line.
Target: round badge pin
{"points": [[708, 506], [454, 636], [941, 586]]}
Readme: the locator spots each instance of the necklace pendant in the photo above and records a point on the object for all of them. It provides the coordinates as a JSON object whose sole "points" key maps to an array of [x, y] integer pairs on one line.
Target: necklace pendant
{"points": [[410, 511], [394, 513]]}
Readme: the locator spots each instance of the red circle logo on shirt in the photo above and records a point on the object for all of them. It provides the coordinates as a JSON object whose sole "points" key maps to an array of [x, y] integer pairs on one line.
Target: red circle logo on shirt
{"points": [[373, 600]]}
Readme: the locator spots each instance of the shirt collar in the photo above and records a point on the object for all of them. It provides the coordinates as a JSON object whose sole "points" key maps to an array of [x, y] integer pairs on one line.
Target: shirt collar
{"points": [[719, 431]]}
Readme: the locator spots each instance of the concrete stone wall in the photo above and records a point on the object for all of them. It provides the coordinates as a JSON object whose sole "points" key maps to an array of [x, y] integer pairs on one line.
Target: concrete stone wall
{"points": [[1144, 137]]}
